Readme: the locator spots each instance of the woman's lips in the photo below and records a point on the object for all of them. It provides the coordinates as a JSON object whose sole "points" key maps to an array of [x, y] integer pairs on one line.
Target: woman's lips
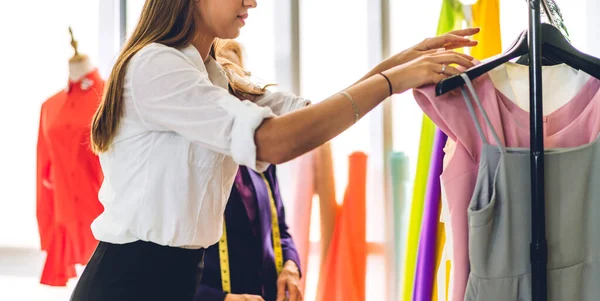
{"points": [[242, 18]]}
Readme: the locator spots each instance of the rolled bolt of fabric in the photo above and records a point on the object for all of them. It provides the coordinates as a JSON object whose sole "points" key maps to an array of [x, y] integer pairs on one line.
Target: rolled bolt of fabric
{"points": [[424, 278]]}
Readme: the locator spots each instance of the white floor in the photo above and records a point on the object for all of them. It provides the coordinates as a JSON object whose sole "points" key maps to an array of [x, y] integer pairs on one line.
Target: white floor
{"points": [[19, 277]]}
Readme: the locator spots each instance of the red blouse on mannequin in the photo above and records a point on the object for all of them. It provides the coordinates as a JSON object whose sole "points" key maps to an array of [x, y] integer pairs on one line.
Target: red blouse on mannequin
{"points": [[68, 178]]}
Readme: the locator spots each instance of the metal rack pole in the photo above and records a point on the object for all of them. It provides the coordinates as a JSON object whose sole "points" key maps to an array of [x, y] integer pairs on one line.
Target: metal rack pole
{"points": [[538, 247]]}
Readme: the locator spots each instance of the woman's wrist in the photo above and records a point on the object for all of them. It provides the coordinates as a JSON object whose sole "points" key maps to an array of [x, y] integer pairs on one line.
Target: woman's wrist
{"points": [[381, 67], [397, 79], [230, 297], [392, 77], [390, 86]]}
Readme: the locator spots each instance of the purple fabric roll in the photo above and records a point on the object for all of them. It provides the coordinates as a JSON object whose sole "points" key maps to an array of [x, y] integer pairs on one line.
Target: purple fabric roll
{"points": [[425, 273]]}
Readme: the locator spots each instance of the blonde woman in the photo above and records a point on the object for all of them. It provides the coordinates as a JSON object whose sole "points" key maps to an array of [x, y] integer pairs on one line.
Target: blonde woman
{"points": [[261, 263], [171, 133]]}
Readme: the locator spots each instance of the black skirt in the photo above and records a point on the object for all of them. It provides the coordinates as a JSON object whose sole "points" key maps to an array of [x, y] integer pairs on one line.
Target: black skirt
{"points": [[139, 271]]}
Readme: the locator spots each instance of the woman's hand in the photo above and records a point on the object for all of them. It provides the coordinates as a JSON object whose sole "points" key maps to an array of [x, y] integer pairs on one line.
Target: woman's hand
{"points": [[428, 69], [451, 40], [234, 297], [289, 281]]}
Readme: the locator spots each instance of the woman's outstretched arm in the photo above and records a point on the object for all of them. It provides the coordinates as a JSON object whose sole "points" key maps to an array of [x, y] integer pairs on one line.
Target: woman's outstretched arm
{"points": [[283, 138]]}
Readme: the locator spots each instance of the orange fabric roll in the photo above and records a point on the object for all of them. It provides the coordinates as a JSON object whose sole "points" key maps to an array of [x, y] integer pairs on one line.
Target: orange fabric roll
{"points": [[344, 270]]}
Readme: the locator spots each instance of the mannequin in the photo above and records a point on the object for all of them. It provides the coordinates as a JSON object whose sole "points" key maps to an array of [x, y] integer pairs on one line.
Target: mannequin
{"points": [[79, 64], [68, 173]]}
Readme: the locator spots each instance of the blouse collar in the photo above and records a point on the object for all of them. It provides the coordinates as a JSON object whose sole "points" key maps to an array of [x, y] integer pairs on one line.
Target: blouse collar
{"points": [[86, 82], [216, 73]]}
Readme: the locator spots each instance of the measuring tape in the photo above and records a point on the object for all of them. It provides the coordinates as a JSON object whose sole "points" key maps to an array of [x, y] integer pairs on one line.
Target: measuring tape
{"points": [[276, 236]]}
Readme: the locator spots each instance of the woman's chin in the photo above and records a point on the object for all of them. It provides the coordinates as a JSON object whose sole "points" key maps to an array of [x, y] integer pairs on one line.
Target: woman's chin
{"points": [[231, 34]]}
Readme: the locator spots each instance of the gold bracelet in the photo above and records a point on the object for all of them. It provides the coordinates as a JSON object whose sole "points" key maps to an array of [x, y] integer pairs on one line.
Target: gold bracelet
{"points": [[356, 114]]}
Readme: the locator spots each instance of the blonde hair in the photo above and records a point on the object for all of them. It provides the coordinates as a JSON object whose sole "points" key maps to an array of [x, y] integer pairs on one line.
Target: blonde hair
{"points": [[222, 46], [168, 22], [239, 79]]}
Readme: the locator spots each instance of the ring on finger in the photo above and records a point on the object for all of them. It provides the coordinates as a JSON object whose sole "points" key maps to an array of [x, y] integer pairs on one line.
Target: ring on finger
{"points": [[444, 66]]}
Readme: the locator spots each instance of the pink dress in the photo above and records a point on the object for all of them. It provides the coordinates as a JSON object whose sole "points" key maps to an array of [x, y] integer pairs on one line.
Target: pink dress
{"points": [[574, 124]]}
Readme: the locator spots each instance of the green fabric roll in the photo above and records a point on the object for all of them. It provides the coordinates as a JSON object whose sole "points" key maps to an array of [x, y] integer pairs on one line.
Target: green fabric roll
{"points": [[417, 205], [400, 177], [451, 16]]}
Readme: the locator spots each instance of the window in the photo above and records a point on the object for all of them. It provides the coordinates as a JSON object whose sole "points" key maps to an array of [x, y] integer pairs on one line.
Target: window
{"points": [[408, 28], [334, 51], [258, 39], [134, 10]]}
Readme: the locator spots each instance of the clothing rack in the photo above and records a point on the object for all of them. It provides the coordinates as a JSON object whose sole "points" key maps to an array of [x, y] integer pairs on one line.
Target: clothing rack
{"points": [[539, 246]]}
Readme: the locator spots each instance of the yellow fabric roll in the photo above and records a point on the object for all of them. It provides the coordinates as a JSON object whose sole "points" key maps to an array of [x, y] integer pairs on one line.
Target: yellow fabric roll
{"points": [[486, 15], [438, 262]]}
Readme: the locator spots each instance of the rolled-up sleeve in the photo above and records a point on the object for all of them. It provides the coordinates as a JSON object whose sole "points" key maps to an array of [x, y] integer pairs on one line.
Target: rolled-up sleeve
{"points": [[170, 93], [282, 102]]}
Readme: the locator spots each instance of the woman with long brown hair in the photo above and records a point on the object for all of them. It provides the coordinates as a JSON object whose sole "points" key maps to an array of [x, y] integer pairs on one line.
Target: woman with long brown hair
{"points": [[171, 132]]}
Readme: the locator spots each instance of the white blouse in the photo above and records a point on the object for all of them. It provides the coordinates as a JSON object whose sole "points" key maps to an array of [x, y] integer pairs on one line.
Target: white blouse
{"points": [[170, 170]]}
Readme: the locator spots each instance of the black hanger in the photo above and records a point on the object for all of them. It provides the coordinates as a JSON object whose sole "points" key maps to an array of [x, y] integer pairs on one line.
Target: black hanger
{"points": [[555, 48], [524, 60]]}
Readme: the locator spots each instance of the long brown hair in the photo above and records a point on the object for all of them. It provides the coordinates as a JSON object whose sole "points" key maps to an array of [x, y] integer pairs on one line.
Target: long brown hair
{"points": [[168, 22]]}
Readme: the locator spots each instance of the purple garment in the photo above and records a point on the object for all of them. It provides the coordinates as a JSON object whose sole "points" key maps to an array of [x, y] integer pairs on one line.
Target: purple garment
{"points": [[425, 273], [245, 187], [248, 219]]}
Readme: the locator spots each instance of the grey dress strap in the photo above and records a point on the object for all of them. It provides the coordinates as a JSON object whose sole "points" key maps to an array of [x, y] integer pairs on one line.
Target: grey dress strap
{"points": [[483, 113]]}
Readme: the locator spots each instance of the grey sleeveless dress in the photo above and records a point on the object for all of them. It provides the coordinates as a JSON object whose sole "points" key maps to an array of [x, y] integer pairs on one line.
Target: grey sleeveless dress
{"points": [[500, 214]]}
